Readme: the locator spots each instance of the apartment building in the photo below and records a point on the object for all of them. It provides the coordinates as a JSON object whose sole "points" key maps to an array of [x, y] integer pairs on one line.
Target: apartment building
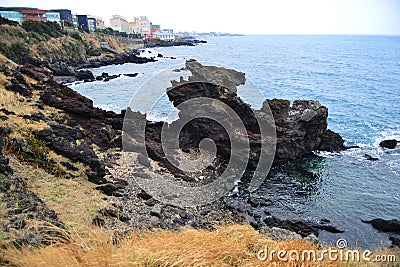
{"points": [[119, 23], [144, 25]]}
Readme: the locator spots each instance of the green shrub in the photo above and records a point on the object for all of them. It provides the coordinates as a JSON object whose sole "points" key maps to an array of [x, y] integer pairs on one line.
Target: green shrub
{"points": [[76, 36], [16, 52], [8, 22], [38, 36], [47, 29]]}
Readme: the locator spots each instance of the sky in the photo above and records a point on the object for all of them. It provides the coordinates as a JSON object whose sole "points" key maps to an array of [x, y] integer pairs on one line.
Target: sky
{"points": [[378, 17]]}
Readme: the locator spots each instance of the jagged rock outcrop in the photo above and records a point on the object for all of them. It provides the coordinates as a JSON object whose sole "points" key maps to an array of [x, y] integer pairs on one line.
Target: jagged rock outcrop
{"points": [[300, 128]]}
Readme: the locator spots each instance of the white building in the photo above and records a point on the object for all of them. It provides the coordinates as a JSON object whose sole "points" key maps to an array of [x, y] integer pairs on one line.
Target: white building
{"points": [[144, 25], [165, 36], [134, 26], [119, 23], [99, 22]]}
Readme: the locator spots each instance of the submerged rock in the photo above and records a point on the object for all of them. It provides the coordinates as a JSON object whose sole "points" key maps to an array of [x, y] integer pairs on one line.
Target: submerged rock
{"points": [[369, 157], [303, 228]]}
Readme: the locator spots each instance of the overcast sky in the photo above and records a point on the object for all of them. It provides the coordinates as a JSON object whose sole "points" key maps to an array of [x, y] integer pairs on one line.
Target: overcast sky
{"points": [[248, 16]]}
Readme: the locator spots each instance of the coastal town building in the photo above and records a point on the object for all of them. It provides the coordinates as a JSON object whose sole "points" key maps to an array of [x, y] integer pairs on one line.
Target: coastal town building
{"points": [[119, 23], [12, 15], [155, 28], [139, 25], [144, 25], [134, 26], [53, 16], [165, 36], [99, 22], [150, 36], [92, 25], [65, 14], [21, 14], [82, 22], [34, 14], [168, 30]]}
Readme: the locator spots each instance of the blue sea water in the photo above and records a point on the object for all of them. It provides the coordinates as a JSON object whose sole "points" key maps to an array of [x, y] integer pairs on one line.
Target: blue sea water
{"points": [[356, 77]]}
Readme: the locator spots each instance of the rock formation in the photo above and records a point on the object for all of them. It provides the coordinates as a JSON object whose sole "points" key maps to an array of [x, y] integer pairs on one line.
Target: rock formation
{"points": [[300, 128]]}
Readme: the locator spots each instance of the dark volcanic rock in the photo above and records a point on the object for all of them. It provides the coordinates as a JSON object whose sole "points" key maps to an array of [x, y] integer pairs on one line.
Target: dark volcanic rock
{"points": [[227, 78], [4, 167], [64, 141], [300, 128], [40, 74], [118, 59], [111, 189], [387, 226], [131, 74], [369, 157], [18, 84], [5, 111], [100, 125], [301, 227], [391, 144], [85, 75], [395, 241]]}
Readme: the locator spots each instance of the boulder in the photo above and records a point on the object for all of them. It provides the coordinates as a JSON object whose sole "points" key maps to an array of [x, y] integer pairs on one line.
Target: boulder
{"points": [[391, 144], [85, 75]]}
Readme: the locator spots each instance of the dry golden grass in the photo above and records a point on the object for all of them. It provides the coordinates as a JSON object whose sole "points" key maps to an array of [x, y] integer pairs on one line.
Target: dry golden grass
{"points": [[15, 103], [116, 44], [20, 106], [233, 245], [6, 62], [75, 201]]}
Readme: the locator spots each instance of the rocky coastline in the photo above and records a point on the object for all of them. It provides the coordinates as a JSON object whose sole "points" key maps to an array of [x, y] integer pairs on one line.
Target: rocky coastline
{"points": [[91, 137], [68, 70]]}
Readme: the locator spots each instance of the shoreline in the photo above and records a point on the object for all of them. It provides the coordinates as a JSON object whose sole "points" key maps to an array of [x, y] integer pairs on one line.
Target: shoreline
{"points": [[80, 109]]}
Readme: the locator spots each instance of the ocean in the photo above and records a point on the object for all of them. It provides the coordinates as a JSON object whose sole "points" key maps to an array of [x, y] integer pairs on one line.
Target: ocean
{"points": [[356, 77]]}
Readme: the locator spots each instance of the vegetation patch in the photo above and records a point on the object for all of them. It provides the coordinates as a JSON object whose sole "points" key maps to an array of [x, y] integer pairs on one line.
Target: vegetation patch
{"points": [[46, 29]]}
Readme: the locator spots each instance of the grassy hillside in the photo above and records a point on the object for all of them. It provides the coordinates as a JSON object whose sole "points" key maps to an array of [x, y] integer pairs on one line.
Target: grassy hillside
{"points": [[46, 41]]}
